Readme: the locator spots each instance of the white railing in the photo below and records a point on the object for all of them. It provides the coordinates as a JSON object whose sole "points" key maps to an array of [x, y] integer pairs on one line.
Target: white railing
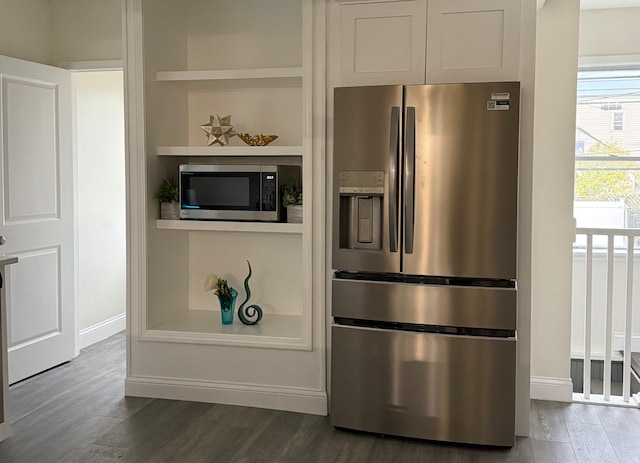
{"points": [[619, 243]]}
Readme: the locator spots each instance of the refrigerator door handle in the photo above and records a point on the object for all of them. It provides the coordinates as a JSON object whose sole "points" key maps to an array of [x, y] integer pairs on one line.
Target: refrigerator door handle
{"points": [[393, 178], [409, 184]]}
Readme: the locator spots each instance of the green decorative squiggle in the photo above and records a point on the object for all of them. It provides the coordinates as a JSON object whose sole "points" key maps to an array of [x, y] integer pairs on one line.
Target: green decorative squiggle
{"points": [[253, 313]]}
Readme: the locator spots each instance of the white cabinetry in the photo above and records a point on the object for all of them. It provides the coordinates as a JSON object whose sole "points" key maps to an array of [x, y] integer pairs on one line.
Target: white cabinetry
{"points": [[473, 40], [425, 41], [251, 59], [382, 43]]}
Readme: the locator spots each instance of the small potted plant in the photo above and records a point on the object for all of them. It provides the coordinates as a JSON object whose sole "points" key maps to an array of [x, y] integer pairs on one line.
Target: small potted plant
{"points": [[292, 200], [226, 296], [169, 196]]}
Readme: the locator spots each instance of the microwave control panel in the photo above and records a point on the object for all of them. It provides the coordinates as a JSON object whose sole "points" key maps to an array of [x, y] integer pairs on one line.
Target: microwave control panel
{"points": [[269, 191]]}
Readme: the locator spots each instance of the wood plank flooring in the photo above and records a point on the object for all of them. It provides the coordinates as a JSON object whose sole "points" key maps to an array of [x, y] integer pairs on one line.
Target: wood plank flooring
{"points": [[78, 413]]}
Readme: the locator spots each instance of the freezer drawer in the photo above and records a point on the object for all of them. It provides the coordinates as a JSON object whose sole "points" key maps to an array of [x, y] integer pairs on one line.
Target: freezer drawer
{"points": [[428, 386], [469, 307]]}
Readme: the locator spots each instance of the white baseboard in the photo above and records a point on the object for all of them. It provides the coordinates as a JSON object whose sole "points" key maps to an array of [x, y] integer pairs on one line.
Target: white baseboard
{"points": [[248, 395], [102, 330], [548, 388], [618, 342]]}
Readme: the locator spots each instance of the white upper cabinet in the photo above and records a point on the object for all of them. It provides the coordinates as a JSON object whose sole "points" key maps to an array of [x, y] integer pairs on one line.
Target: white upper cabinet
{"points": [[382, 43], [424, 41], [473, 41]]}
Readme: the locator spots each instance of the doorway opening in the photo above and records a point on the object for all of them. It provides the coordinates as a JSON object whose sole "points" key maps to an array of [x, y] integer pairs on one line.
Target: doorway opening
{"points": [[101, 207]]}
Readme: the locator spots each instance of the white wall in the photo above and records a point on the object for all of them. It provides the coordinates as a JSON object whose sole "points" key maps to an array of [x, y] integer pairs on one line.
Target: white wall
{"points": [[553, 226], [85, 30], [25, 30], [610, 32], [59, 31], [101, 197]]}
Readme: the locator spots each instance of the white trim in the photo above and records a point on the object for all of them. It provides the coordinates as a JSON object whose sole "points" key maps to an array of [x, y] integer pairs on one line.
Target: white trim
{"points": [[550, 388], [527, 76], [5, 430], [76, 221], [102, 65], [614, 400], [135, 170], [221, 339], [607, 61], [317, 143], [597, 356], [211, 225], [232, 74], [248, 395], [618, 342], [607, 4], [192, 151], [103, 330], [309, 222]]}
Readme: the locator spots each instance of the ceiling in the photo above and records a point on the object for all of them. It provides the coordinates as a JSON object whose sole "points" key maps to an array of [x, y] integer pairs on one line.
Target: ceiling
{"points": [[600, 4]]}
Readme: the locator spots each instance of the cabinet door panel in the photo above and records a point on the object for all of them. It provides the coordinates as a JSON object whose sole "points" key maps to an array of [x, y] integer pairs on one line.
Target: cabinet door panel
{"points": [[471, 41], [382, 43]]}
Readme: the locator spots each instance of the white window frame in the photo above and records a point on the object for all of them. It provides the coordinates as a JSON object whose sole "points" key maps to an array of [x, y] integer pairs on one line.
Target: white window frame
{"points": [[596, 63], [617, 126]]}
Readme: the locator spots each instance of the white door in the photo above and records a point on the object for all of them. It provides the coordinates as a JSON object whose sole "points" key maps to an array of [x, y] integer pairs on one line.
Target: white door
{"points": [[37, 214]]}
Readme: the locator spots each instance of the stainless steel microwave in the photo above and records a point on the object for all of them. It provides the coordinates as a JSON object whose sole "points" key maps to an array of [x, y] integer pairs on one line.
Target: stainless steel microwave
{"points": [[233, 192]]}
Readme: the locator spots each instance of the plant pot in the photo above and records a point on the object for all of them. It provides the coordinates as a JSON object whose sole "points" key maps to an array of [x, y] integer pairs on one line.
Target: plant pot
{"points": [[294, 214], [170, 211], [227, 306]]}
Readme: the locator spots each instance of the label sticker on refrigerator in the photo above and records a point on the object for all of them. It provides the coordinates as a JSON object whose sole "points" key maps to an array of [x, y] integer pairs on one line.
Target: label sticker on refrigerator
{"points": [[499, 105], [501, 96]]}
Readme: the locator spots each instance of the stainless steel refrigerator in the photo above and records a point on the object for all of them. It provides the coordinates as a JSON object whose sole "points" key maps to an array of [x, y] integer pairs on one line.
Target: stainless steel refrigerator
{"points": [[425, 183]]}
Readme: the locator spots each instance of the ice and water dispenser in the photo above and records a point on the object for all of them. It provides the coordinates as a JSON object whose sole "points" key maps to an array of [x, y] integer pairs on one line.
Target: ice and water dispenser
{"points": [[361, 202]]}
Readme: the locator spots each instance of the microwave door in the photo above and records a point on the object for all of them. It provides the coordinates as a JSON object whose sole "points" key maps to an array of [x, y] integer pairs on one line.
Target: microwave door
{"points": [[211, 192]]}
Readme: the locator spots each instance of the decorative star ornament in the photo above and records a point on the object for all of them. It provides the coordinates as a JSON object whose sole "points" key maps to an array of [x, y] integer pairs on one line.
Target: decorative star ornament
{"points": [[219, 130]]}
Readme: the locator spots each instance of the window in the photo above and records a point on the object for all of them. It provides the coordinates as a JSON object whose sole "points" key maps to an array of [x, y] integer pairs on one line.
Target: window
{"points": [[607, 174], [617, 121]]}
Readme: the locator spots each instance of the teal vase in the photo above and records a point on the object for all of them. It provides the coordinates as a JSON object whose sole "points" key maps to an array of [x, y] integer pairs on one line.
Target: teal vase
{"points": [[227, 306]]}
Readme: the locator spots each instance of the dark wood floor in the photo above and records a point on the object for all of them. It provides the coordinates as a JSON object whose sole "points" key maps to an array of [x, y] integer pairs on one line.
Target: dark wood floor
{"points": [[78, 413]]}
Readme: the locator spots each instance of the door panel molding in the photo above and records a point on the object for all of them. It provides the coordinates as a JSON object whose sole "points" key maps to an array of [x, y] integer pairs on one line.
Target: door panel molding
{"points": [[35, 196], [28, 325]]}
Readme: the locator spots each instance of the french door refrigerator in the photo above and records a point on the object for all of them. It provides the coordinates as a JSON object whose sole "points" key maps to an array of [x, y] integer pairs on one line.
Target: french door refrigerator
{"points": [[425, 185]]}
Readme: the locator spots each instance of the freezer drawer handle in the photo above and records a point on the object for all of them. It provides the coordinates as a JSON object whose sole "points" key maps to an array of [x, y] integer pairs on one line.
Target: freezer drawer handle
{"points": [[409, 184], [393, 178]]}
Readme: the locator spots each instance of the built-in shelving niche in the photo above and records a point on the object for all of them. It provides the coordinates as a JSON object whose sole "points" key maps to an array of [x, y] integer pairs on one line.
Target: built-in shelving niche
{"points": [[250, 66]]}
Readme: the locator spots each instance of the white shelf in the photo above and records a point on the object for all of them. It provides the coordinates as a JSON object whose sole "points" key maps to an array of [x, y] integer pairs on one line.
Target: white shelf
{"points": [[233, 74], [205, 327], [211, 225], [230, 150]]}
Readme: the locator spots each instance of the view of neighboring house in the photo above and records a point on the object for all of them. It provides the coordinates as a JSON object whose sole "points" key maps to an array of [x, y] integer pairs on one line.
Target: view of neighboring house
{"points": [[607, 190], [607, 195]]}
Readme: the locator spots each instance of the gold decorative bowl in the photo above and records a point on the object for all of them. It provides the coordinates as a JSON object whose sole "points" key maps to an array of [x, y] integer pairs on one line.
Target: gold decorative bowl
{"points": [[257, 140]]}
